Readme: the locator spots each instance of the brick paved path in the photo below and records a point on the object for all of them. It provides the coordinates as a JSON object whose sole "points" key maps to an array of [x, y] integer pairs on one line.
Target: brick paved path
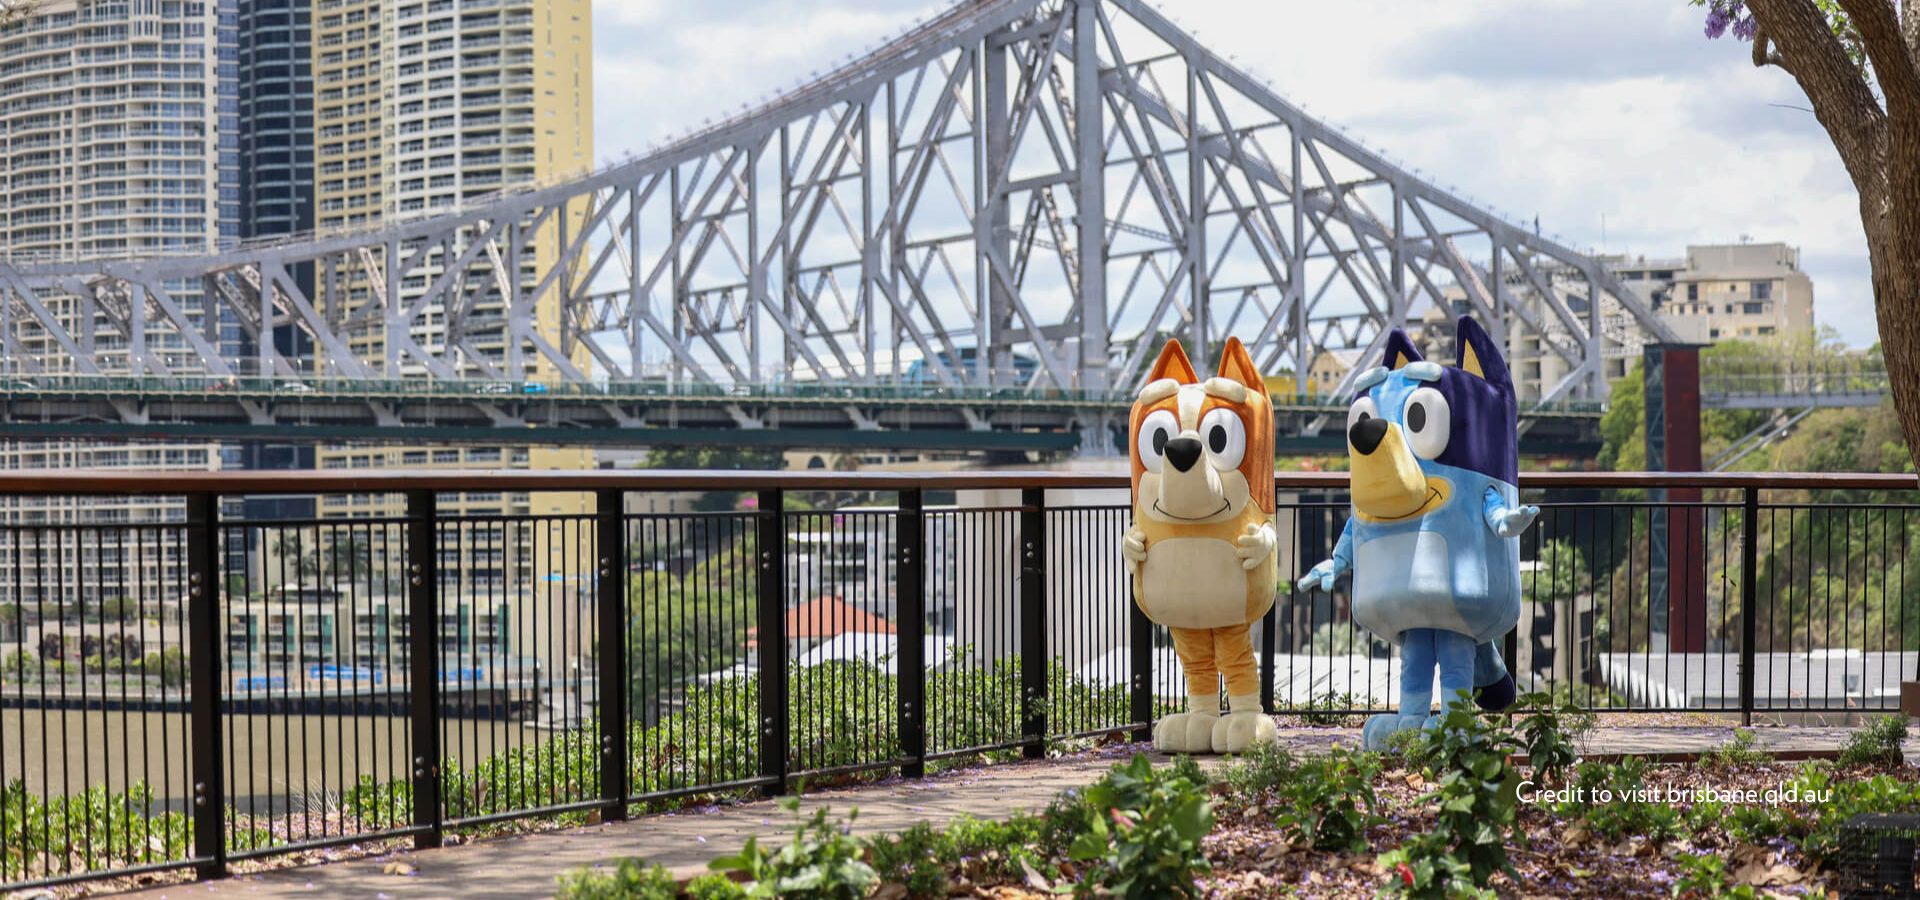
{"points": [[526, 866]]}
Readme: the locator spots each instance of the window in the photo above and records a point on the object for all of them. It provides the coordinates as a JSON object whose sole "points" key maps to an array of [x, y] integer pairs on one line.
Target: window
{"points": [[1760, 290], [1715, 334], [1693, 292], [1765, 329], [1753, 309]]}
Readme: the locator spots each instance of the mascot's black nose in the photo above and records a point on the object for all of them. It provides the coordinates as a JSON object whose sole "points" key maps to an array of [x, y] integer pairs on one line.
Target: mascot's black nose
{"points": [[1367, 433], [1183, 452]]}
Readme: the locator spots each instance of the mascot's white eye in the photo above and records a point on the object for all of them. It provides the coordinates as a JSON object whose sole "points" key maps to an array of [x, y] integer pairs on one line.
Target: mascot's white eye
{"points": [[1226, 438], [1363, 408], [1428, 422], [1159, 427]]}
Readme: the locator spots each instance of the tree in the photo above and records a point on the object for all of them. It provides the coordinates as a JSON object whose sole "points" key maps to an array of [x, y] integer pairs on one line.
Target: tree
{"points": [[1858, 61]]}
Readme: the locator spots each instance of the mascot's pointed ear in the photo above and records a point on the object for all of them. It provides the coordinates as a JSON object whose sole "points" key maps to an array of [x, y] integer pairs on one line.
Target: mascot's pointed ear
{"points": [[1478, 353], [1400, 350], [1236, 364], [1173, 364]]}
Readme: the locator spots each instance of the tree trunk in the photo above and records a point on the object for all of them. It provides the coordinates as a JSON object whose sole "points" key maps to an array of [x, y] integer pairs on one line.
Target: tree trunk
{"points": [[1880, 147]]}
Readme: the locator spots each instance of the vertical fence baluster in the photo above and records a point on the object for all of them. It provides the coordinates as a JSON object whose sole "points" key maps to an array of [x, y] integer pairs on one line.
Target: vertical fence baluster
{"points": [[423, 664], [911, 607], [1033, 622], [771, 597], [1749, 567], [203, 626], [1140, 664], [610, 537]]}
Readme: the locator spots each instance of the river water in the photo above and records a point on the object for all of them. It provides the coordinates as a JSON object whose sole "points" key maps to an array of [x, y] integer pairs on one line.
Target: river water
{"points": [[275, 762]]}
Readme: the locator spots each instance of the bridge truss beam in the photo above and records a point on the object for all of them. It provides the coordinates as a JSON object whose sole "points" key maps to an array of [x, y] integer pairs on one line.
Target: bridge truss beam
{"points": [[1016, 193]]}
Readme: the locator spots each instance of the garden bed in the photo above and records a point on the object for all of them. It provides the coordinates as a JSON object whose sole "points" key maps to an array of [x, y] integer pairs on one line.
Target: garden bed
{"points": [[1450, 813]]}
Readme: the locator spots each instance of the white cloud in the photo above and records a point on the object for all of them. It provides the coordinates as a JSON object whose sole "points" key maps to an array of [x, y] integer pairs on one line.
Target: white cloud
{"points": [[1568, 110]]}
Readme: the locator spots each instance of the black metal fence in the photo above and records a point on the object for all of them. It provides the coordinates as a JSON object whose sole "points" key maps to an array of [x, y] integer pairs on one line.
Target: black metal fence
{"points": [[211, 668]]}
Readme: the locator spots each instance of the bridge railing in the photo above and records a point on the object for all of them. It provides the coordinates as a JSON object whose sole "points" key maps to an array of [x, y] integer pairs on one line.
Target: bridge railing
{"points": [[1838, 376], [294, 387], [203, 668]]}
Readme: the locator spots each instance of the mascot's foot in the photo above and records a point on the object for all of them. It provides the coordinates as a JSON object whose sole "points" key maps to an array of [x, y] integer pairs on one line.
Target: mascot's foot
{"points": [[1186, 733], [1235, 732], [1379, 729], [1496, 696]]}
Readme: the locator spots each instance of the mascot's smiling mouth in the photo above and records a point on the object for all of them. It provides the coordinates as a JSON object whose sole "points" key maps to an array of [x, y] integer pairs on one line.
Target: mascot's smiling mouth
{"points": [[1225, 505], [1438, 490]]}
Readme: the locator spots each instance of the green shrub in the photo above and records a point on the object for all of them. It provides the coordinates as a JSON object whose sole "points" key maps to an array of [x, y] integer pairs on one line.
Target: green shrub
{"points": [[1141, 829], [631, 879], [822, 862], [1705, 875], [1624, 810], [916, 859], [1264, 767], [1880, 743], [713, 886], [1329, 801], [1549, 733], [1742, 750], [1475, 800], [999, 850], [1825, 804], [1320, 711]]}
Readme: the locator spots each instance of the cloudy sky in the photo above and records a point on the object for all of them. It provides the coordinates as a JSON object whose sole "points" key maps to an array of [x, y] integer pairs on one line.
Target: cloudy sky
{"points": [[1583, 113]]}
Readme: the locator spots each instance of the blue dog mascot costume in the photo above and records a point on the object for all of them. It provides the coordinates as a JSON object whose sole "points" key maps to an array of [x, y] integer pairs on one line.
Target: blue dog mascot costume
{"points": [[1433, 544]]}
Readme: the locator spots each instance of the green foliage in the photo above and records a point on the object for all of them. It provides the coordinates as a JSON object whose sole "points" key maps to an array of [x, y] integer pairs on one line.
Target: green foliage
{"points": [[92, 830], [1319, 712], [1705, 875], [1475, 801], [1141, 829], [822, 862], [1549, 734], [630, 880], [1329, 801], [1880, 743], [1611, 800], [916, 859], [1000, 849], [1825, 804], [713, 886], [169, 665], [1262, 768], [1623, 428], [1742, 750], [1423, 869]]}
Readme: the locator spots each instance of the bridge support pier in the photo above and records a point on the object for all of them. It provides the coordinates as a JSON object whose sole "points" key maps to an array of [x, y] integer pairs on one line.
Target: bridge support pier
{"points": [[1677, 530]]}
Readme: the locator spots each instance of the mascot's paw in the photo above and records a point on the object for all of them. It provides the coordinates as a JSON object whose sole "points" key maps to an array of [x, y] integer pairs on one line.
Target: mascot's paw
{"points": [[1381, 728], [1496, 696], [1237, 732], [1184, 733]]}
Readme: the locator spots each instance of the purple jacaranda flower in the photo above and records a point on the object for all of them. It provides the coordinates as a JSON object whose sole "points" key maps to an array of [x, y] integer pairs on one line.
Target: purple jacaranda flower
{"points": [[1745, 28], [1717, 21]]}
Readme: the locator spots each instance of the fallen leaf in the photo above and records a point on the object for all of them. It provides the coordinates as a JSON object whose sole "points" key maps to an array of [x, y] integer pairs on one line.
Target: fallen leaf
{"points": [[399, 868], [892, 890], [1034, 879]]}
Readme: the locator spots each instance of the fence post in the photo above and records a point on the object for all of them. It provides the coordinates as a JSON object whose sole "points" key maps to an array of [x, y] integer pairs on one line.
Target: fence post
{"points": [[1749, 572], [1140, 662], [610, 536], [771, 631], [203, 685], [911, 643], [423, 664], [1033, 622]]}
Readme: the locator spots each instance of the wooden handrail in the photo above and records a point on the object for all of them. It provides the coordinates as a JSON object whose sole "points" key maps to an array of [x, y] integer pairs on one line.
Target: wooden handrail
{"points": [[70, 482]]}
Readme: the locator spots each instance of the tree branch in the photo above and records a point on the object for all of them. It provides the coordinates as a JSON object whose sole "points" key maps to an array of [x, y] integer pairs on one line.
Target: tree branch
{"points": [[1887, 49], [1763, 56], [1842, 101]]}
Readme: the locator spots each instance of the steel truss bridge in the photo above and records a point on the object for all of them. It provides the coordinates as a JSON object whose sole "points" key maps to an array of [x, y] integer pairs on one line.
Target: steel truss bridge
{"points": [[1007, 207]]}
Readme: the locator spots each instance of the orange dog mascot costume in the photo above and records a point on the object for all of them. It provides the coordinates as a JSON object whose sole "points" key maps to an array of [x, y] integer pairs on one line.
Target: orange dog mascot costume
{"points": [[1201, 549]]}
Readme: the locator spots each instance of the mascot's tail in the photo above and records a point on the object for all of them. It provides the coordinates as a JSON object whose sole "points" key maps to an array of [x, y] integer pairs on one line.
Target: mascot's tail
{"points": [[1493, 687]]}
